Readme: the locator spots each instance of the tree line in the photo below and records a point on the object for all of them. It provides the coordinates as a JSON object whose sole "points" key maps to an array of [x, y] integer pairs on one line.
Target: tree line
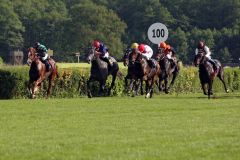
{"points": [[69, 26]]}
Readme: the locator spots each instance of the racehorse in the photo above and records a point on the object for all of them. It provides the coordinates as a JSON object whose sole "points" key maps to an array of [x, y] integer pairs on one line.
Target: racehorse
{"points": [[206, 73], [133, 75], [38, 73], [144, 70], [168, 69], [100, 71]]}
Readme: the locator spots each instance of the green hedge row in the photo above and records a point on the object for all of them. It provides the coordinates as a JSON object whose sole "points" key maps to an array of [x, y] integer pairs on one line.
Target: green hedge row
{"points": [[72, 82]]}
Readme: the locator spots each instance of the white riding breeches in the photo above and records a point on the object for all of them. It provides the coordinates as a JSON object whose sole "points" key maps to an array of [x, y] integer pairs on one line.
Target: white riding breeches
{"points": [[148, 52], [106, 55], [45, 57]]}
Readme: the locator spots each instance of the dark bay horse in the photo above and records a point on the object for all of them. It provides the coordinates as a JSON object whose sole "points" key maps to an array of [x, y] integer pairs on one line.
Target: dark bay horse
{"points": [[206, 73], [37, 73], [134, 74], [100, 71], [168, 69], [144, 70]]}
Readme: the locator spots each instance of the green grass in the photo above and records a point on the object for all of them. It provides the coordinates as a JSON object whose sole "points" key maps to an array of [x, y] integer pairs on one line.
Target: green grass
{"points": [[165, 127]]}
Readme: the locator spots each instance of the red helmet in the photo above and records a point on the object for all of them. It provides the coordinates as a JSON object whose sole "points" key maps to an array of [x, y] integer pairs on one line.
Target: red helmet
{"points": [[96, 44], [141, 48], [201, 44]]}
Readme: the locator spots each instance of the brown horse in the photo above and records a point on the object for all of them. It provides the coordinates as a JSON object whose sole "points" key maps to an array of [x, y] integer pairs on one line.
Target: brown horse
{"points": [[169, 69], [37, 73], [145, 70], [133, 74], [206, 73]]}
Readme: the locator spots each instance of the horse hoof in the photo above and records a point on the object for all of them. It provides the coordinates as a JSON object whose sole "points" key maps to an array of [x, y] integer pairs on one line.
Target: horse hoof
{"points": [[148, 95], [89, 95], [227, 91]]}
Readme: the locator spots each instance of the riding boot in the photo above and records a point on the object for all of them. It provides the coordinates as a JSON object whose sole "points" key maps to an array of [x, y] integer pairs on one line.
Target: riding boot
{"points": [[48, 66], [215, 68]]}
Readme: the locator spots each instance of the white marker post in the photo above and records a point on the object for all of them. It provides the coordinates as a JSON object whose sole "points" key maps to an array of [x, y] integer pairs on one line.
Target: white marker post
{"points": [[157, 33]]}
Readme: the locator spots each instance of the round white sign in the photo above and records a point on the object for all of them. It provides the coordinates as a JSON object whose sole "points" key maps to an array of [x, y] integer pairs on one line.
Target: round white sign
{"points": [[157, 33]]}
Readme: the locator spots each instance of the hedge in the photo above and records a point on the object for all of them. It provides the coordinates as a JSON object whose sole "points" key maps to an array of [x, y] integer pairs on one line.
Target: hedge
{"points": [[72, 82]]}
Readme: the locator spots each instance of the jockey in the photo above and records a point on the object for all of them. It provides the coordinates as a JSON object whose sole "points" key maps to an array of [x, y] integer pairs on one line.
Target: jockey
{"points": [[202, 48], [42, 52], [102, 51], [147, 53], [169, 52]]}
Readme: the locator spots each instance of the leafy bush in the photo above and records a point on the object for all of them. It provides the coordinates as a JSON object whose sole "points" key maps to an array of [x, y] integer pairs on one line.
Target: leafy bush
{"points": [[72, 82]]}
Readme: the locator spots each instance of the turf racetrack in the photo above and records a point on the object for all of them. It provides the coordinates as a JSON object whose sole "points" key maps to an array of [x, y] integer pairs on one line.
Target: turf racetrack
{"points": [[165, 127]]}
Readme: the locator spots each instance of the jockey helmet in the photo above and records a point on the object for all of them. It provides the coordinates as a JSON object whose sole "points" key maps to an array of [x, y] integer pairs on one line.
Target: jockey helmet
{"points": [[134, 46], [96, 44], [163, 45], [141, 48], [201, 44]]}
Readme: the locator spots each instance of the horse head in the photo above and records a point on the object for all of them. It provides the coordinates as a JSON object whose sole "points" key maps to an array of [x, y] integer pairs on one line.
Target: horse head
{"points": [[159, 55], [198, 58], [91, 55], [31, 55], [126, 56]]}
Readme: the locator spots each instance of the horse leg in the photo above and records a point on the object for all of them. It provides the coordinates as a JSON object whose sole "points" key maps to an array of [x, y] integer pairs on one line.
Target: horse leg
{"points": [[88, 87], [102, 88], [50, 84], [175, 73], [148, 89], [141, 86], [221, 77], [151, 88], [166, 84], [29, 87], [113, 83], [210, 88], [126, 81], [130, 87], [203, 88]]}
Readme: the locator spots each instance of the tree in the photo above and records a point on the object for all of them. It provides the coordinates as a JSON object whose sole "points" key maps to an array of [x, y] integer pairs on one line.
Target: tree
{"points": [[90, 21], [11, 29]]}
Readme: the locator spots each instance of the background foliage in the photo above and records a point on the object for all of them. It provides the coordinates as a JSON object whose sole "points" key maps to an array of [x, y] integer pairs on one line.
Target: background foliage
{"points": [[68, 26]]}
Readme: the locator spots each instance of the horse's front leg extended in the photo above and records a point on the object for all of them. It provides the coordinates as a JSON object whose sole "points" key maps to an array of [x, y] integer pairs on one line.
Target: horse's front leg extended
{"points": [[88, 87], [221, 77]]}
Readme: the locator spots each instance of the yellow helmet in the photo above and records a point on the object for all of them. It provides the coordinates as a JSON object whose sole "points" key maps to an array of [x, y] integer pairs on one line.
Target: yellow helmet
{"points": [[134, 46]]}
